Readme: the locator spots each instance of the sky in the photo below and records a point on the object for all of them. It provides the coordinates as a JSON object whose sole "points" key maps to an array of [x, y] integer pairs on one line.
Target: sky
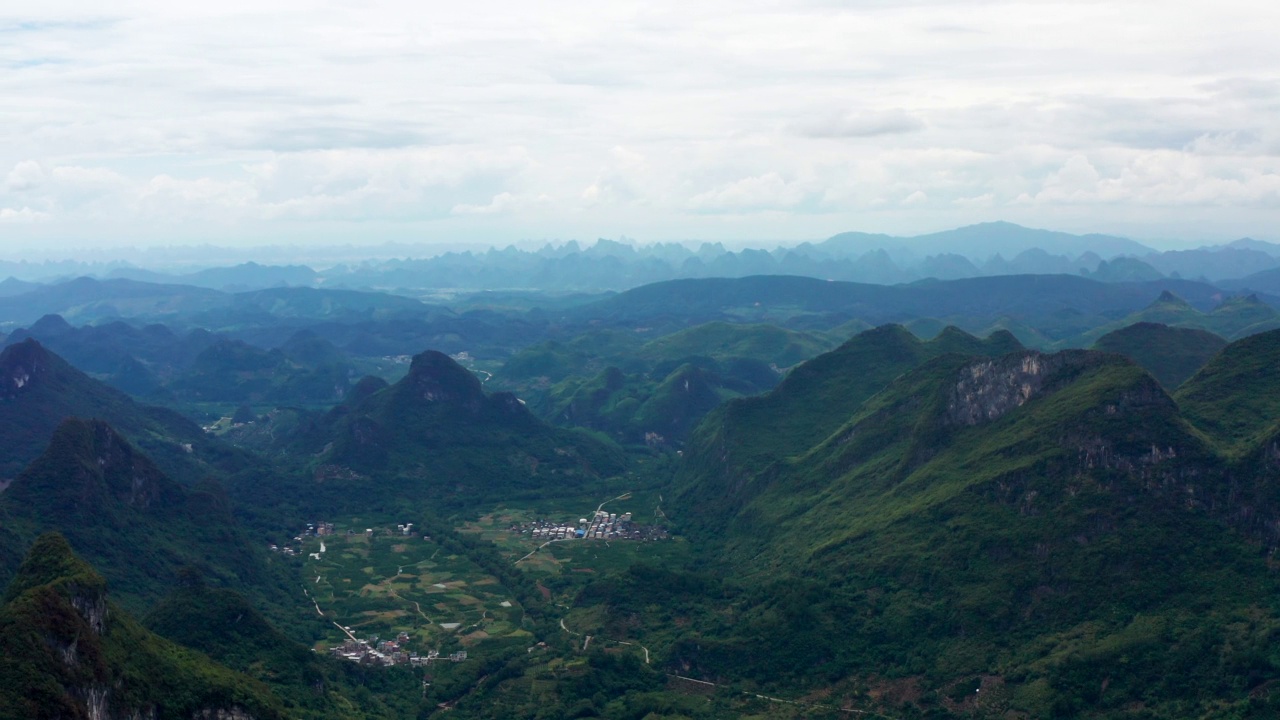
{"points": [[492, 122]]}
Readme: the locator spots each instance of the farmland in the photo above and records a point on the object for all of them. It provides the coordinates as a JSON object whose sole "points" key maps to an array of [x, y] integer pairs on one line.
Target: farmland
{"points": [[379, 578], [383, 582]]}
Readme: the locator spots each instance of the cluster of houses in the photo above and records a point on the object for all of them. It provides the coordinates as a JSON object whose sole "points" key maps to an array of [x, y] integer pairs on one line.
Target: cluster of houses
{"points": [[601, 526], [325, 529], [372, 651]]}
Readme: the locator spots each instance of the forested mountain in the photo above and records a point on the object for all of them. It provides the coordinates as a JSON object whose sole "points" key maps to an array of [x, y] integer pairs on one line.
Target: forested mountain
{"points": [[67, 650], [1170, 354], [1233, 318], [1037, 526], [128, 518], [1233, 397], [746, 435], [654, 391], [38, 390], [823, 516], [1057, 306], [436, 432], [86, 299]]}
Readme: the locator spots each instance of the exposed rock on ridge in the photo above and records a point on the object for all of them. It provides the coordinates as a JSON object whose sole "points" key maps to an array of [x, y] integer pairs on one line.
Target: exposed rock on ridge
{"points": [[20, 366], [67, 652], [987, 389]]}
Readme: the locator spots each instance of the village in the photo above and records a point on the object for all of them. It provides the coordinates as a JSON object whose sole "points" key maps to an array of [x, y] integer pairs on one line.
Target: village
{"points": [[325, 529], [601, 526], [374, 651]]}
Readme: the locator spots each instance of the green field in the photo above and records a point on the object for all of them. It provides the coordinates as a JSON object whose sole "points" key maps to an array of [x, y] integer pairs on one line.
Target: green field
{"points": [[389, 583]]}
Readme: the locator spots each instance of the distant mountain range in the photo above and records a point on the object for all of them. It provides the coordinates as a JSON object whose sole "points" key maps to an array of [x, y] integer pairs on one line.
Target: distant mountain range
{"points": [[975, 251]]}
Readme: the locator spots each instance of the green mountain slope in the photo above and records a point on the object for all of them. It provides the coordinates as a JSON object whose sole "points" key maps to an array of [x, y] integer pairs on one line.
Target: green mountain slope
{"points": [[437, 431], [1047, 528], [816, 398], [38, 390], [234, 371], [66, 651], [660, 407], [1233, 318], [933, 431], [1234, 397], [223, 624], [721, 340], [1170, 354], [127, 517], [658, 391]]}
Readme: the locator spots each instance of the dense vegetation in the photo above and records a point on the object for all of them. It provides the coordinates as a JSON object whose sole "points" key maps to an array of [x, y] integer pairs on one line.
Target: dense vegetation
{"points": [[658, 391], [134, 523], [1170, 354], [864, 519], [224, 625], [38, 390], [67, 651], [1031, 520]]}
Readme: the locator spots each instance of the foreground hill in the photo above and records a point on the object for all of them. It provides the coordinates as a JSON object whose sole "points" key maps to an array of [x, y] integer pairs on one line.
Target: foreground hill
{"points": [[1047, 529], [67, 651], [1234, 397], [744, 436], [1170, 354], [224, 625], [131, 520]]}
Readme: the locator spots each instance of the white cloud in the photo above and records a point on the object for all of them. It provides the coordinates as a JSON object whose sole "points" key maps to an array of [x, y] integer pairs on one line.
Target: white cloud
{"points": [[862, 124], [21, 215], [26, 175], [1161, 178], [761, 192], [978, 201], [661, 120], [916, 198], [500, 203]]}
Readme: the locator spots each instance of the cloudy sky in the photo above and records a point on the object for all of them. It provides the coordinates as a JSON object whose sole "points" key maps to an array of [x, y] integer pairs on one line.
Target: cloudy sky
{"points": [[247, 121]]}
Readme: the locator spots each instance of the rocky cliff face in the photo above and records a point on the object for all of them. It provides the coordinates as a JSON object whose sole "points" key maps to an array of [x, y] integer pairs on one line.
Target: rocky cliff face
{"points": [[987, 389], [21, 365], [68, 652]]}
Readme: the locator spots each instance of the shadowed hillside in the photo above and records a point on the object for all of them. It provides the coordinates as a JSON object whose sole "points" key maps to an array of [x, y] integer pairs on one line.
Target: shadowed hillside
{"points": [[1170, 354], [67, 651]]}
